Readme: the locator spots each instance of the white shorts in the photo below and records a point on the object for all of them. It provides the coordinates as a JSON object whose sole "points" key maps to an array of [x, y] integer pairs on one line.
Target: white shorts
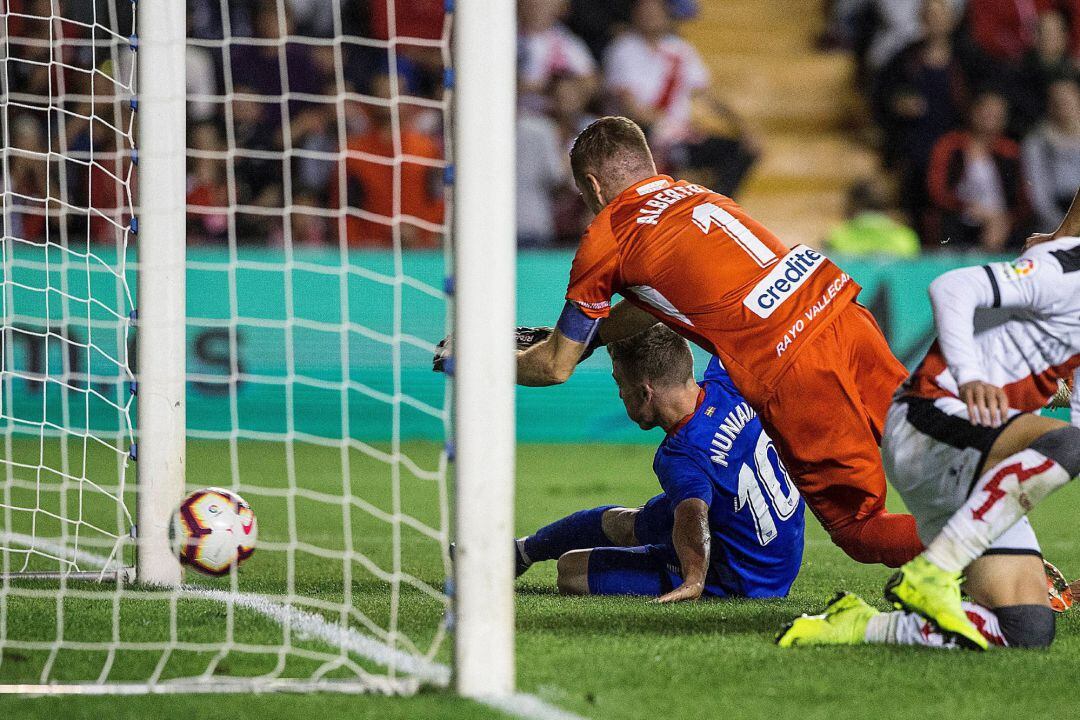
{"points": [[931, 455]]}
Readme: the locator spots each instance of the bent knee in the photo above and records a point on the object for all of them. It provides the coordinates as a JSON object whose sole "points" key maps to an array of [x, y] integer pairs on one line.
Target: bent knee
{"points": [[619, 524], [884, 538], [1005, 580], [1027, 626], [573, 569], [855, 548], [1062, 445], [1052, 437]]}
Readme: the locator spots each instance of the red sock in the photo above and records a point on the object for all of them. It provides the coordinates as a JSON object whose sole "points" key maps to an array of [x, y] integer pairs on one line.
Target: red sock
{"points": [[886, 538]]}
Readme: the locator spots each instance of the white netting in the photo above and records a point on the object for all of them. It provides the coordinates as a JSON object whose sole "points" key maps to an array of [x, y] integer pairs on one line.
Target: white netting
{"points": [[65, 403], [316, 264]]}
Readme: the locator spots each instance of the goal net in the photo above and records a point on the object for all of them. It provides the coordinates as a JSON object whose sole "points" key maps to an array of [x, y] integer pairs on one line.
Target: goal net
{"points": [[66, 407], [316, 146]]}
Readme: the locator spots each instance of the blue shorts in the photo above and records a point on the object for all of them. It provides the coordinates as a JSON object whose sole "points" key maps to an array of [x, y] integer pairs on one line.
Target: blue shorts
{"points": [[652, 568]]}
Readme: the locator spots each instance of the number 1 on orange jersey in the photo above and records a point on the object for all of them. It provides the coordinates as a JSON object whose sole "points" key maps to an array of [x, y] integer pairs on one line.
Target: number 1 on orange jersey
{"points": [[706, 214]]}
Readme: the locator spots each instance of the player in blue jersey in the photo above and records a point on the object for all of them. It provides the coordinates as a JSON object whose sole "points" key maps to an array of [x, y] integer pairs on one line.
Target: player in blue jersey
{"points": [[729, 522]]}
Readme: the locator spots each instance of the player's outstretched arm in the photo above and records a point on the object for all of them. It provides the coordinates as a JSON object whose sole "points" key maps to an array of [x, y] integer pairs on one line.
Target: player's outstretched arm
{"points": [[692, 544], [1070, 226], [550, 362]]}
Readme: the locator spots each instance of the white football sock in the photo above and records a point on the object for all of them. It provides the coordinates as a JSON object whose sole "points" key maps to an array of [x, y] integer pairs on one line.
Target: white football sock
{"points": [[1001, 497], [520, 542], [904, 628]]}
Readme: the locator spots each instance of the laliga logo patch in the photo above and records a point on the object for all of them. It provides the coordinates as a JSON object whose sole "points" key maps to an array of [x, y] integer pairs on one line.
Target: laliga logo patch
{"points": [[1023, 267]]}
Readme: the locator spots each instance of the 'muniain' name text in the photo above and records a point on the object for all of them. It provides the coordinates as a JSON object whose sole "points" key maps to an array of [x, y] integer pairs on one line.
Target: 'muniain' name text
{"points": [[728, 432]]}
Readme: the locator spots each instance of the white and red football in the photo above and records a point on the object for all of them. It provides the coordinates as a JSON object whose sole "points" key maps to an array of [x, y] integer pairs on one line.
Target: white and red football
{"points": [[213, 531]]}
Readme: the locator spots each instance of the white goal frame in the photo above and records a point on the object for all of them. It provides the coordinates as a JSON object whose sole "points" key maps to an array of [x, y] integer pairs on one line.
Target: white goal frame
{"points": [[482, 302], [161, 321], [485, 62]]}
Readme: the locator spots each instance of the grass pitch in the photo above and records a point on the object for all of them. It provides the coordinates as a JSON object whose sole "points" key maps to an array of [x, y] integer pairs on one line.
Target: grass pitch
{"points": [[598, 657]]}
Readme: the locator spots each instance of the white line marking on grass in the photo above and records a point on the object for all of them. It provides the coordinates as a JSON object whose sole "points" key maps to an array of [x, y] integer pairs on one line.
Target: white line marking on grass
{"points": [[521, 705], [63, 552], [316, 626]]}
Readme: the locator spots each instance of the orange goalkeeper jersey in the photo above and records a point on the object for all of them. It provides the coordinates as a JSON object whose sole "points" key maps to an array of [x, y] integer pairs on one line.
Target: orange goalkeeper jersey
{"points": [[696, 261]]}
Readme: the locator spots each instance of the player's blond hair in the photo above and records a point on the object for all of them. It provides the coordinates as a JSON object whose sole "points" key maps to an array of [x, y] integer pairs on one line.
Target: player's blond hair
{"points": [[612, 149], [659, 356]]}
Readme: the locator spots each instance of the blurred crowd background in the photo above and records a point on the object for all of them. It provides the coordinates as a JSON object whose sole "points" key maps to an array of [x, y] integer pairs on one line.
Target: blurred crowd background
{"points": [[977, 110], [297, 112]]}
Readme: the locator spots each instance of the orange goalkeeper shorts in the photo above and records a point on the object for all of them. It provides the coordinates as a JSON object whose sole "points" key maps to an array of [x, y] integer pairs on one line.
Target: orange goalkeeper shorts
{"points": [[827, 413]]}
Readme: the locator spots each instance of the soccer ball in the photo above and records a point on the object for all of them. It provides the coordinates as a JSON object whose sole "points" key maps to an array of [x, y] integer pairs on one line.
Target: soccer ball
{"points": [[213, 530]]}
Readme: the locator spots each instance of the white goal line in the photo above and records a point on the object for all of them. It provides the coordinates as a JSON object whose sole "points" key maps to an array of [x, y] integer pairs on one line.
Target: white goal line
{"points": [[313, 625], [309, 624], [60, 551]]}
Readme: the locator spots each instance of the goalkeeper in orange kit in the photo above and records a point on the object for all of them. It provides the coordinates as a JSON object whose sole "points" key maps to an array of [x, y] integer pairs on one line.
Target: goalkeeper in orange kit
{"points": [[783, 323]]}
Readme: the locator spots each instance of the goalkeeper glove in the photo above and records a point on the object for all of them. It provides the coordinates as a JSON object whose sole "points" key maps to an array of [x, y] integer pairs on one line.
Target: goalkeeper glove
{"points": [[524, 338], [443, 361]]}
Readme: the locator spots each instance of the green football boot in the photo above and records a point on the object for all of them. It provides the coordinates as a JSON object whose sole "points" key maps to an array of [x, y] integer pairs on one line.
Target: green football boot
{"points": [[843, 623], [924, 588]]}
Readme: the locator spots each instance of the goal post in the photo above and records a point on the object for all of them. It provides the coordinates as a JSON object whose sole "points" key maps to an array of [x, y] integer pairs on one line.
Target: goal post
{"points": [[238, 278], [485, 368], [161, 312]]}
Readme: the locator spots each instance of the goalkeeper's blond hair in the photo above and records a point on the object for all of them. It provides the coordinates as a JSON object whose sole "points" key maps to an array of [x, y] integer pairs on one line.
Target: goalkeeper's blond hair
{"points": [[613, 149]]}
